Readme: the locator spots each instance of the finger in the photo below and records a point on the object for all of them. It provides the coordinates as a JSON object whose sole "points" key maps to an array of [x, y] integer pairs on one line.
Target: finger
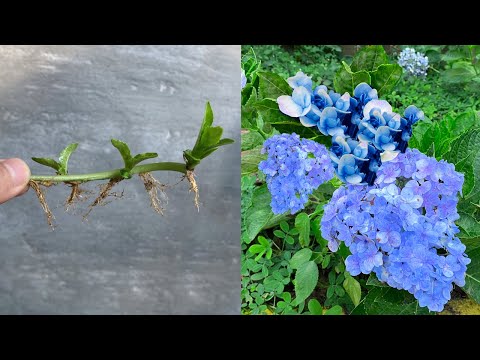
{"points": [[14, 177]]}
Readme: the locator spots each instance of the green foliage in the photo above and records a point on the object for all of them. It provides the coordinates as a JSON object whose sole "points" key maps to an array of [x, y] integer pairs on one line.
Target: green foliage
{"points": [[389, 301], [302, 276], [321, 61], [61, 166], [129, 161], [208, 140], [346, 80], [370, 65]]}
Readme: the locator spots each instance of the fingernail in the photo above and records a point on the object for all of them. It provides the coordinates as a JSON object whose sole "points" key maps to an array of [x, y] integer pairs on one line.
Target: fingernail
{"points": [[19, 171]]}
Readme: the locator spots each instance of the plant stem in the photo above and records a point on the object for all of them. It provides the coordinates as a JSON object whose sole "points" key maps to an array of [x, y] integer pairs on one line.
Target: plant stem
{"points": [[113, 174]]}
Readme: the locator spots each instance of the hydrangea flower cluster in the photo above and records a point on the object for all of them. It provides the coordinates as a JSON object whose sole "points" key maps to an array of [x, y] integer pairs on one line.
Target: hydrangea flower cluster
{"points": [[294, 168], [402, 228], [414, 63], [365, 131]]}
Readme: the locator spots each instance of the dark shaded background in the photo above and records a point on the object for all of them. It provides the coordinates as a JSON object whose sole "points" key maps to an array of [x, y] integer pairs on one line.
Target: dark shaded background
{"points": [[126, 259]]}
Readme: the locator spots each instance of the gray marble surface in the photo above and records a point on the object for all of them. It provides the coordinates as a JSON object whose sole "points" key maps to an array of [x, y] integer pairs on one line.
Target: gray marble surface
{"points": [[126, 259]]}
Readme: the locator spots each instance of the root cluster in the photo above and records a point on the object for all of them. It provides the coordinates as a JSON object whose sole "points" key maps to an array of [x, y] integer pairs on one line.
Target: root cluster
{"points": [[41, 198], [104, 193], [154, 189]]}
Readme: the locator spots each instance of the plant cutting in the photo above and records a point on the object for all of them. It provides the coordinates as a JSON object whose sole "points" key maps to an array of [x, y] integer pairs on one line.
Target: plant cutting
{"points": [[209, 140]]}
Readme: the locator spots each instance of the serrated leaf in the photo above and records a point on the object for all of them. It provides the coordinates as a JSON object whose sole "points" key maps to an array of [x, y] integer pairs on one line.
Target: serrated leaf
{"points": [[300, 257], [373, 281], [306, 279], [345, 80], [272, 86], [369, 58], [458, 75], [125, 152], [469, 225], [472, 278], [251, 139], [390, 301], [302, 223], [386, 77], [47, 162], [65, 156], [259, 213], [353, 289], [250, 160]]}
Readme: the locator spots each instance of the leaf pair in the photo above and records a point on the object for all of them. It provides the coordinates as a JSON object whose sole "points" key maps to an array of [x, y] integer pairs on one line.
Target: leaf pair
{"points": [[129, 161], [209, 140], [61, 166]]}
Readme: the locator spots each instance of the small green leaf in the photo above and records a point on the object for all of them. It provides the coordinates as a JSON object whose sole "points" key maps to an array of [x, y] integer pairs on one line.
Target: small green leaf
{"points": [[287, 297], [330, 291], [302, 223], [256, 248], [314, 307], [47, 162], [65, 156], [125, 152], [339, 291], [334, 310], [352, 287], [142, 157], [259, 256], [263, 241], [331, 277], [289, 240], [278, 233], [284, 226], [301, 257], [306, 280], [326, 261]]}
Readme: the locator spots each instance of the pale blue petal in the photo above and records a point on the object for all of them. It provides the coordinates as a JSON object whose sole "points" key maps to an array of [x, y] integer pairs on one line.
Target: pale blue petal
{"points": [[289, 107]]}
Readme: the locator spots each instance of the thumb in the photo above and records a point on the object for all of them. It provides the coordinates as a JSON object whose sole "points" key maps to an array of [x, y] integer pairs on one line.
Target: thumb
{"points": [[14, 176]]}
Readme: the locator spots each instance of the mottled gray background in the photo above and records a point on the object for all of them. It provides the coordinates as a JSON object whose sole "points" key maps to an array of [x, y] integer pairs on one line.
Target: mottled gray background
{"points": [[126, 259]]}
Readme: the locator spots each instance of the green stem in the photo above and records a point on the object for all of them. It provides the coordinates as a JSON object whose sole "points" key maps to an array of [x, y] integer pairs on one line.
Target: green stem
{"points": [[113, 174]]}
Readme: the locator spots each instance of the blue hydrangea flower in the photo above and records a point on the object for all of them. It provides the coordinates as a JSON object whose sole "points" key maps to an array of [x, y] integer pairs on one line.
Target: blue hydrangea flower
{"points": [[413, 63], [299, 104], [403, 231], [361, 118], [294, 168], [300, 79], [243, 79], [329, 123]]}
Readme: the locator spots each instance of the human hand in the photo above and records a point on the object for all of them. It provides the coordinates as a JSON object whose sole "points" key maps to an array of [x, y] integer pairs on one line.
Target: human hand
{"points": [[14, 177]]}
